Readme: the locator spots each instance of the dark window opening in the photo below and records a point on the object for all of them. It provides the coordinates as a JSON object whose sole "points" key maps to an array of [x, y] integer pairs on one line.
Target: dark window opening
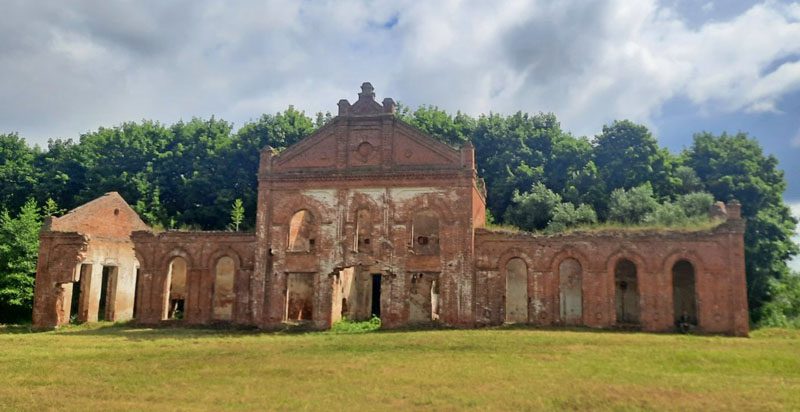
{"points": [[422, 240]]}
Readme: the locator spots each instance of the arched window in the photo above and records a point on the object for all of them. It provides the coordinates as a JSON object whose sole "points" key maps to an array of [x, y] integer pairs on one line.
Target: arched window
{"points": [[175, 296], [570, 276], [516, 291], [425, 233], [224, 295], [364, 243], [627, 292], [684, 298], [301, 232]]}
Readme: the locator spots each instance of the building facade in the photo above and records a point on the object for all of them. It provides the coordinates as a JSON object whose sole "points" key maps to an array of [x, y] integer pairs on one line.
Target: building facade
{"points": [[369, 216]]}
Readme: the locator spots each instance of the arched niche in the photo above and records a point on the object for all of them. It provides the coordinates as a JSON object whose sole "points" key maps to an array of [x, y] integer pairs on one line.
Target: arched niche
{"points": [[425, 233], [626, 295], [224, 288], [570, 276], [364, 243], [516, 309], [684, 296]]}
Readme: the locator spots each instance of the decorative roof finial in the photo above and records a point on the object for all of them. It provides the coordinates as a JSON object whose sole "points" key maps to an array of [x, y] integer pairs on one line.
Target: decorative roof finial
{"points": [[367, 91]]}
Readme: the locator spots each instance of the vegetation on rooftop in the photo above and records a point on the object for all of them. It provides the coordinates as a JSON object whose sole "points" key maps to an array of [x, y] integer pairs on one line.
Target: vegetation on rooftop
{"points": [[538, 177]]}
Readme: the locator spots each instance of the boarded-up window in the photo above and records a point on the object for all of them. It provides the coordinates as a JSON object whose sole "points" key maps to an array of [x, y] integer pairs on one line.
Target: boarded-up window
{"points": [[299, 297], [301, 232], [224, 276], [683, 293], [425, 233], [516, 291], [571, 294], [175, 296], [627, 292]]}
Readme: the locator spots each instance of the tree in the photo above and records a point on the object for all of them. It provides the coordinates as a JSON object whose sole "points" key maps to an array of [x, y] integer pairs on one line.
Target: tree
{"points": [[566, 215], [19, 248], [632, 206], [533, 210], [237, 214], [735, 167], [17, 172], [452, 130], [696, 204], [627, 156], [51, 208]]}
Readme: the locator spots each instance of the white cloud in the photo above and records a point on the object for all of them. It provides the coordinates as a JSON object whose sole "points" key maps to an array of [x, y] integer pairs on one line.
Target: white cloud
{"points": [[65, 69], [796, 139]]}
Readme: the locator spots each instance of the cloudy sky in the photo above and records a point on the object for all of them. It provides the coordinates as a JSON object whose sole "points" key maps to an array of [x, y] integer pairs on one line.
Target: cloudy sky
{"points": [[679, 66]]}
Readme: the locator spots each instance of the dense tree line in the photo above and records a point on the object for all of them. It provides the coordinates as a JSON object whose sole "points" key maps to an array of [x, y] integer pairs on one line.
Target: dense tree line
{"points": [[539, 177]]}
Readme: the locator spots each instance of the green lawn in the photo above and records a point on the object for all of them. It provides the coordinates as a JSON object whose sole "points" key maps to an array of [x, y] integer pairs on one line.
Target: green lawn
{"points": [[108, 367]]}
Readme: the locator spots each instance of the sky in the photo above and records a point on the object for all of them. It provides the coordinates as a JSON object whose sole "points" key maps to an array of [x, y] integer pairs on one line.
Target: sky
{"points": [[677, 66]]}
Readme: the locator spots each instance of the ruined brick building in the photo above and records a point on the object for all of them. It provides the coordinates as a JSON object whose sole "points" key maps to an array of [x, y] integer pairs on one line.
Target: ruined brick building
{"points": [[370, 216]]}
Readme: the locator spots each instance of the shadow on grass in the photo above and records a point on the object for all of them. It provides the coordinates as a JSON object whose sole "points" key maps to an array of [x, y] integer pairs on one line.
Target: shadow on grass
{"points": [[177, 330], [15, 329]]}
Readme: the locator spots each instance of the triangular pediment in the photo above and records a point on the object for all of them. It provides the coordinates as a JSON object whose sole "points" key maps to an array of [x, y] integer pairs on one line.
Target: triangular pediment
{"points": [[366, 135], [108, 216]]}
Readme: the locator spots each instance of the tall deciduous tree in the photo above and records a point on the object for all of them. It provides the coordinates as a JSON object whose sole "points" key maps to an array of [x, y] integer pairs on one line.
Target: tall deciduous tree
{"points": [[17, 172], [735, 167], [19, 247]]}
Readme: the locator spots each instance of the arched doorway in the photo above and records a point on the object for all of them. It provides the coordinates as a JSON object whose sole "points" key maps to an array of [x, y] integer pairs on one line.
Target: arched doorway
{"points": [[684, 297], [175, 296], [224, 295], [516, 291], [570, 276], [627, 292]]}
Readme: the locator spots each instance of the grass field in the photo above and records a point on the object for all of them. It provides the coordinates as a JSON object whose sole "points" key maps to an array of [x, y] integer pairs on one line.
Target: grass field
{"points": [[111, 367]]}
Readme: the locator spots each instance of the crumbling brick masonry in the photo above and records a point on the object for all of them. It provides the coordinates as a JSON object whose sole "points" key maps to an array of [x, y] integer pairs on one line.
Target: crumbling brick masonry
{"points": [[367, 217]]}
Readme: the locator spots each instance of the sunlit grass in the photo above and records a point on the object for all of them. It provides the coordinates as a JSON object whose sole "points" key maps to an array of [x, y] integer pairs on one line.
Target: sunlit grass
{"points": [[115, 367]]}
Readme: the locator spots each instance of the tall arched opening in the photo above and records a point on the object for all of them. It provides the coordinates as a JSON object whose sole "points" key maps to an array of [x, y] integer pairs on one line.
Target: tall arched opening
{"points": [[627, 292], [224, 278], [570, 276], [175, 296], [516, 291], [684, 297]]}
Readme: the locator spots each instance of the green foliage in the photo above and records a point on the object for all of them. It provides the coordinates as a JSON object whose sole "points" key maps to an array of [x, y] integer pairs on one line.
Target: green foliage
{"points": [[632, 206], [17, 172], [783, 307], [51, 208], [538, 177], [566, 215], [19, 247], [533, 210], [628, 156], [696, 204], [237, 214], [350, 326], [666, 214], [735, 167]]}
